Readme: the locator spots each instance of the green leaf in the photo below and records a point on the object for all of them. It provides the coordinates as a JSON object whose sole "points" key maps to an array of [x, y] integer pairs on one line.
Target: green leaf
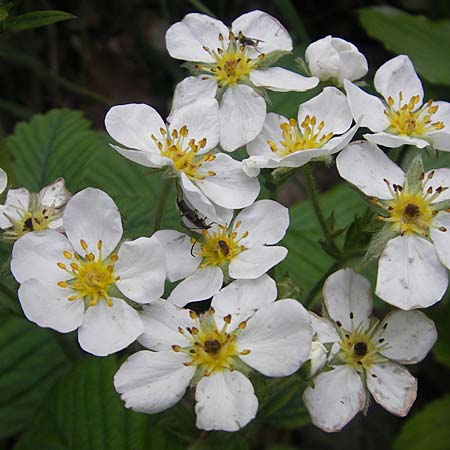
{"points": [[428, 429], [441, 316], [221, 440], [425, 41], [57, 144], [306, 261], [30, 362], [35, 19], [84, 412]]}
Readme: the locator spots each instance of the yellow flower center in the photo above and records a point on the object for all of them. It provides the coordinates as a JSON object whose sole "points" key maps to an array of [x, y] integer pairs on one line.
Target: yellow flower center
{"points": [[233, 62], [304, 137], [92, 277], [184, 152], [360, 351], [412, 212], [408, 120], [219, 247], [210, 348]]}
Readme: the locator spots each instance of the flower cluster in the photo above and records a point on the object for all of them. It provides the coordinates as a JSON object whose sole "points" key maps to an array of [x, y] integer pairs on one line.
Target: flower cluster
{"points": [[77, 272]]}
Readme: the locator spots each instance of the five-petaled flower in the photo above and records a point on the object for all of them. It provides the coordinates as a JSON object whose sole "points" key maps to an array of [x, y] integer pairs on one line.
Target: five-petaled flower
{"points": [[212, 182], [322, 129], [364, 354], [403, 119], [415, 242], [26, 211], [84, 280], [244, 329], [242, 249], [234, 66]]}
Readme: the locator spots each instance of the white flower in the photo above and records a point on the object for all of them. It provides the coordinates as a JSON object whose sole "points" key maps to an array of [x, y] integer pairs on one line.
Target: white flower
{"points": [[245, 328], [403, 119], [289, 143], [412, 267], [241, 250], [233, 63], [3, 180], [367, 356], [81, 281], [25, 211], [335, 59], [211, 182]]}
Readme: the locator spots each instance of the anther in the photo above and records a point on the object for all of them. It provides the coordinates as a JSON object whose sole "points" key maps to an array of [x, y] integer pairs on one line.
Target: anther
{"points": [[83, 244], [67, 254], [99, 245], [227, 319], [62, 284], [193, 314], [61, 266], [176, 348]]}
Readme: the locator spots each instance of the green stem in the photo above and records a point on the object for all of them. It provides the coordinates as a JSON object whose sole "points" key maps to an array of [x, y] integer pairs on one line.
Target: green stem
{"points": [[309, 300], [312, 195], [167, 184]]}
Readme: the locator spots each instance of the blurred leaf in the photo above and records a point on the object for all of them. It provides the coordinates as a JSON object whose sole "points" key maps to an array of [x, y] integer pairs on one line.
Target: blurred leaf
{"points": [[292, 415], [57, 144], [35, 19], [425, 41], [84, 412], [441, 316], [221, 440], [31, 360], [428, 429]]}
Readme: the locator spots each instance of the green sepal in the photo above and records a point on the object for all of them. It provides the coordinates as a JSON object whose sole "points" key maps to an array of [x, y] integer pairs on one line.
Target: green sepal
{"points": [[288, 288], [414, 175], [379, 241], [271, 58]]}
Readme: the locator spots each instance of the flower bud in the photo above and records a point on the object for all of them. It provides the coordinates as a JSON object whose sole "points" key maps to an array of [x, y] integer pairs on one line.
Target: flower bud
{"points": [[318, 357], [335, 59]]}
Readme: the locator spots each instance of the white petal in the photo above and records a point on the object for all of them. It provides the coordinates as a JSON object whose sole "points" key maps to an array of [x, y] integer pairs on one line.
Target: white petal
{"points": [[185, 40], [35, 255], [54, 195], [161, 321], [4, 222], [367, 109], [331, 107], [241, 114], [266, 222], [410, 274], [440, 140], [152, 382], [230, 187], [393, 387], [440, 178], [282, 80], [202, 120], [408, 335], [3, 180], [323, 330], [393, 140], [279, 338], [206, 208], [108, 329], [440, 238], [395, 76], [142, 270], [180, 261], [242, 298], [347, 298], [91, 215], [270, 131], [17, 203], [337, 396], [366, 166], [47, 305], [132, 125], [256, 261], [225, 401], [261, 26], [190, 90], [201, 285], [143, 157], [352, 65]]}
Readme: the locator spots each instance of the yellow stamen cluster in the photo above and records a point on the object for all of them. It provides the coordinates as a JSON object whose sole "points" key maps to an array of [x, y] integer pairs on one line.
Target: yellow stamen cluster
{"points": [[220, 246], [409, 120], [210, 348], [307, 136], [412, 212], [183, 152], [91, 277], [233, 61]]}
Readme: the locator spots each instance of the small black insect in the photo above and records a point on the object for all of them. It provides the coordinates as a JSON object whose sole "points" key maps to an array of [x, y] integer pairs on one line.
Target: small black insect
{"points": [[192, 215], [247, 41]]}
